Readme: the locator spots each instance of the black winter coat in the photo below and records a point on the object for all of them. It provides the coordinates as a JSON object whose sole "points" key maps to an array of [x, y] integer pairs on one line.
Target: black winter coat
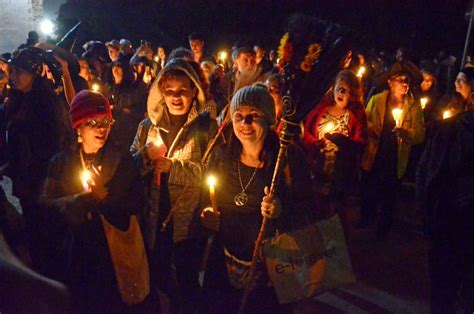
{"points": [[90, 269]]}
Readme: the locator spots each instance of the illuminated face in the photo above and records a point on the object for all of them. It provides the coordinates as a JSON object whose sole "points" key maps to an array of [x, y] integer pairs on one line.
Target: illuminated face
{"points": [[428, 81], [85, 71], [207, 69], [246, 61], [342, 94], [94, 133], [113, 53], [117, 72], [249, 126], [259, 53], [399, 84], [196, 46], [179, 94], [22, 80], [463, 85], [161, 53]]}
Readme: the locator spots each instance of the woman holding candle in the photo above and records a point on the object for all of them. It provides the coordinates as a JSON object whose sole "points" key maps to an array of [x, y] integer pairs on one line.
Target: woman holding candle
{"points": [[429, 95], [112, 189], [388, 146], [464, 83], [334, 137], [179, 120], [243, 168]]}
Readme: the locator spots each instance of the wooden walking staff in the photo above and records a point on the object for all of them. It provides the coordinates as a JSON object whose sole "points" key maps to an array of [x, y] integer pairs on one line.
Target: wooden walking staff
{"points": [[312, 53]]}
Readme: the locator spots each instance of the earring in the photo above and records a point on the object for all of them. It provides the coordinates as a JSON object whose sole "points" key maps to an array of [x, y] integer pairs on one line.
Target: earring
{"points": [[79, 137]]}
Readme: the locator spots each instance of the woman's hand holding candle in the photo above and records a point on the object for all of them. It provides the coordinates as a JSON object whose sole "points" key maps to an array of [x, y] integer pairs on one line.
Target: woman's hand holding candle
{"points": [[156, 152], [210, 219]]}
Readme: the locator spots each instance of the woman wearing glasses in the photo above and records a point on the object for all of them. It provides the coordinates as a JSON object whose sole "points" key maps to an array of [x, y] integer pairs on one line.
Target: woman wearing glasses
{"points": [[334, 137], [395, 123], [244, 168], [111, 188]]}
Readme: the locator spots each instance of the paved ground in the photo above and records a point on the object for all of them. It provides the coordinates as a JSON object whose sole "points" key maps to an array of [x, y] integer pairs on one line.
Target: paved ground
{"points": [[392, 274], [391, 277]]}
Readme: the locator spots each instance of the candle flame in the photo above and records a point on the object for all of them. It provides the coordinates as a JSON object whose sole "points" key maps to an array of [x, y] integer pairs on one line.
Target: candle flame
{"points": [[423, 102], [397, 116], [157, 58], [361, 71], [95, 87], [447, 114], [223, 55], [211, 180], [329, 127], [86, 178]]}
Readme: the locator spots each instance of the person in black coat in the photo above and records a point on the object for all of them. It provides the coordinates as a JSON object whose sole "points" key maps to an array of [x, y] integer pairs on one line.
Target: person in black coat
{"points": [[128, 98], [76, 204], [445, 193]]}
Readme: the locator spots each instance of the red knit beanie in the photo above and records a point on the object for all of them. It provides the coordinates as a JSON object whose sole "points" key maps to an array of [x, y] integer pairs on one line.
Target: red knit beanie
{"points": [[86, 105]]}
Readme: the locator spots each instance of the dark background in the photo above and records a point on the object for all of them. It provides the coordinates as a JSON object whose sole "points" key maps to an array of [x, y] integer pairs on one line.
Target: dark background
{"points": [[423, 26]]}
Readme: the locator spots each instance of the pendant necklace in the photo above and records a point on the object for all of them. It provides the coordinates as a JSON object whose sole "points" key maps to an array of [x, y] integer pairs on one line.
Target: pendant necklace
{"points": [[242, 198]]}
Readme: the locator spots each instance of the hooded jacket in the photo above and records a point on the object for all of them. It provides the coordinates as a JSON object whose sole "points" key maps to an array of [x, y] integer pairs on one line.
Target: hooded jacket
{"points": [[185, 152]]}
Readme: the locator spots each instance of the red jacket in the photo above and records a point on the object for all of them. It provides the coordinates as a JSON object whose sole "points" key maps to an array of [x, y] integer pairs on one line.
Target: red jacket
{"points": [[357, 125]]}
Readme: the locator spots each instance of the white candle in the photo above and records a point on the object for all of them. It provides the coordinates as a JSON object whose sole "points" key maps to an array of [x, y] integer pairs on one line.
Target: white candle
{"points": [[397, 116], [212, 193]]}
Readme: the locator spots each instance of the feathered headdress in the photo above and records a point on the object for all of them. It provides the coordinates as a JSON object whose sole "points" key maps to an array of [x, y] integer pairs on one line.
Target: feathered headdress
{"points": [[311, 53]]}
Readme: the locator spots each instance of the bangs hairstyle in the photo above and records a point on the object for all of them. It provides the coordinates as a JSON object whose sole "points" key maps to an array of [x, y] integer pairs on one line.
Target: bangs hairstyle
{"points": [[173, 73]]}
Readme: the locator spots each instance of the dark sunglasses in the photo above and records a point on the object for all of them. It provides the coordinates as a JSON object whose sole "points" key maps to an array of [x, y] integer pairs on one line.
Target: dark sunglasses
{"points": [[100, 123]]}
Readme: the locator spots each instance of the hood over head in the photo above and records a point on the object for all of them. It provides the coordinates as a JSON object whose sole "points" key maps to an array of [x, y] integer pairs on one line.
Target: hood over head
{"points": [[156, 103]]}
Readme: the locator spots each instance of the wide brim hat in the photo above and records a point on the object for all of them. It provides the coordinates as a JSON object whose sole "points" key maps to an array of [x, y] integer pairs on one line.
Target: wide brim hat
{"points": [[401, 68]]}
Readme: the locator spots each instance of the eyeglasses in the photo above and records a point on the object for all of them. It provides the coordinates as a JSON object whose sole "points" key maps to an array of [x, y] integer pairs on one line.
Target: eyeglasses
{"points": [[100, 123], [248, 119]]}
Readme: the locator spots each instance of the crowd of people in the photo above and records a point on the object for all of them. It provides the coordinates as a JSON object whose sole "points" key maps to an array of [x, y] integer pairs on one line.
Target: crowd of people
{"points": [[91, 140]]}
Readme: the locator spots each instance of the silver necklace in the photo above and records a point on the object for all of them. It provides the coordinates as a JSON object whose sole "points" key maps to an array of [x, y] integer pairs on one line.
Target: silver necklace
{"points": [[242, 198]]}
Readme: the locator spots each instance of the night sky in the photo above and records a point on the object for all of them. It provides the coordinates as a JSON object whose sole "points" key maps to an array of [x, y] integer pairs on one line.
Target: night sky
{"points": [[424, 26]]}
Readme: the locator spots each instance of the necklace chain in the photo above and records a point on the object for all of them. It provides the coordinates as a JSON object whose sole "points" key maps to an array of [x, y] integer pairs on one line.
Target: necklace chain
{"points": [[251, 178]]}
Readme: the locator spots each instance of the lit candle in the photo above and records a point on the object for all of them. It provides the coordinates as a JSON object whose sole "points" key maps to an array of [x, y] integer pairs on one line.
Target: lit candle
{"points": [[423, 102], [212, 192], [447, 114], [162, 152], [95, 87], [397, 116], [329, 127], [361, 72], [223, 55], [86, 178], [157, 58]]}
